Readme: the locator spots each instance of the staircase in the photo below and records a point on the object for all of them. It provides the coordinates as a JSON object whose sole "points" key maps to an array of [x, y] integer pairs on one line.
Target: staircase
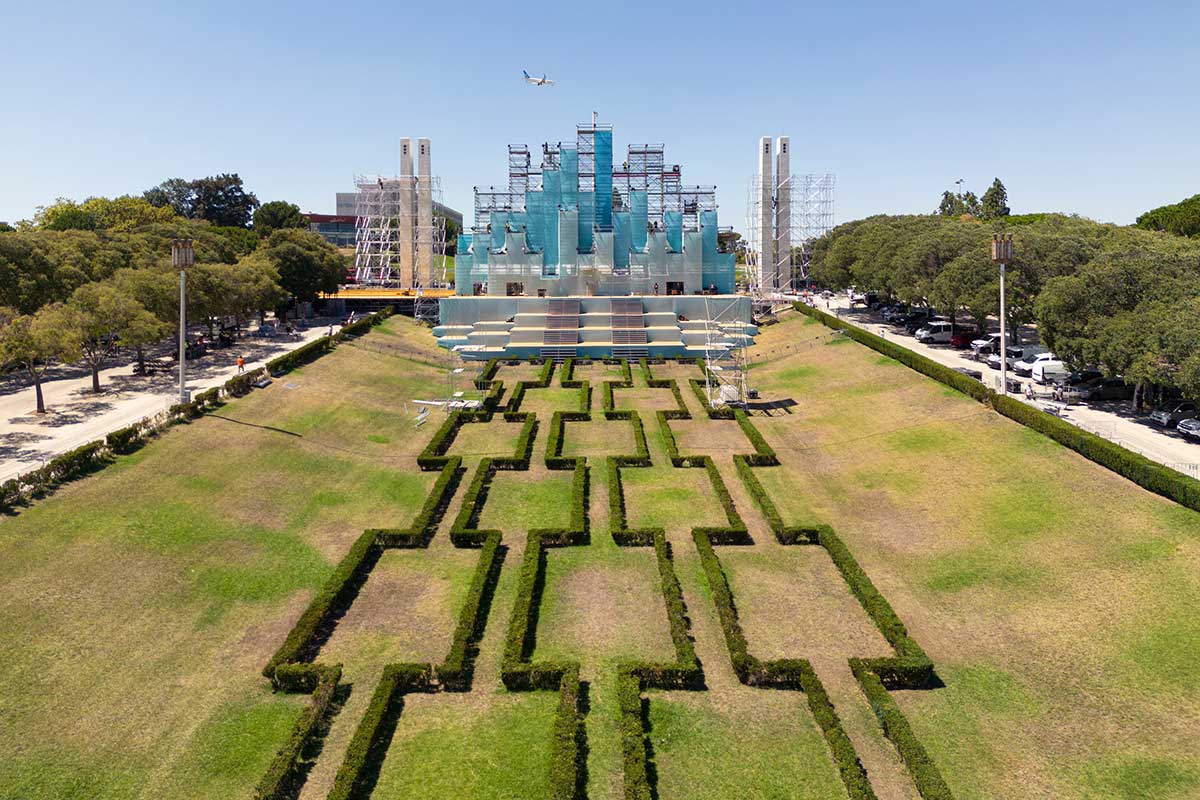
{"points": [[628, 328], [561, 334]]}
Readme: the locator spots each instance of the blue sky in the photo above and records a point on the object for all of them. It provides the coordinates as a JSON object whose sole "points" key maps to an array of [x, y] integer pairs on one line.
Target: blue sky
{"points": [[1081, 107]]}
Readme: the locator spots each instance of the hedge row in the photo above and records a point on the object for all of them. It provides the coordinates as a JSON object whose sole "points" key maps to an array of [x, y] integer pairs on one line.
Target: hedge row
{"points": [[764, 454], [701, 390], [785, 534], [454, 673], [1150, 475], [463, 531], [617, 521], [338, 591], [633, 738], [284, 775], [567, 754], [369, 745], [554, 444], [608, 403], [516, 671], [95, 455], [576, 531], [543, 380], [641, 456], [434, 454], [924, 772], [850, 768], [523, 452], [424, 525]]}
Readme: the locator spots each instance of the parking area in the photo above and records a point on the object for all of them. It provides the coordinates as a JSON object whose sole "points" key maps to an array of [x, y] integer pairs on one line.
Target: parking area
{"points": [[1112, 419]]}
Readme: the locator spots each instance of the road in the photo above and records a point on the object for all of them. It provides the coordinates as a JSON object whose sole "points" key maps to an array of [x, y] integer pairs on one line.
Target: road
{"points": [[76, 415], [1114, 421]]}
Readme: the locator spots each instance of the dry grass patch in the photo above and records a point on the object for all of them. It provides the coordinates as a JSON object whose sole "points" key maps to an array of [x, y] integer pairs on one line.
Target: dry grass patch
{"points": [[710, 437], [537, 498], [600, 437], [666, 497], [479, 439]]}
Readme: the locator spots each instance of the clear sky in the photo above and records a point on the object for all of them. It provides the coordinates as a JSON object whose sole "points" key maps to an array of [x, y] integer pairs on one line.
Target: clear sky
{"points": [[1086, 107]]}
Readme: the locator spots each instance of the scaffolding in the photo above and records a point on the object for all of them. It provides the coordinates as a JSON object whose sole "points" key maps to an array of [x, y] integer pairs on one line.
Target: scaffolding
{"points": [[801, 211], [384, 208], [724, 360]]}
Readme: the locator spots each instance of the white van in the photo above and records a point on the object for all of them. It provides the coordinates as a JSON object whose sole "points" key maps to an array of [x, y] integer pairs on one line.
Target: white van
{"points": [[935, 333]]}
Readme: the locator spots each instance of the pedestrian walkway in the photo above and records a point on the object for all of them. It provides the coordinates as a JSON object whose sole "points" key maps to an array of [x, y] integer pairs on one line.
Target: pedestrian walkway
{"points": [[75, 415]]}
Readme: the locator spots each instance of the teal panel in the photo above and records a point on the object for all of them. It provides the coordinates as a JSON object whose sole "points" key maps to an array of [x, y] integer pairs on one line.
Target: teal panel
{"points": [[499, 220], [622, 239], [535, 214], [568, 158], [640, 216], [708, 233], [587, 221], [673, 222], [604, 185], [552, 189]]}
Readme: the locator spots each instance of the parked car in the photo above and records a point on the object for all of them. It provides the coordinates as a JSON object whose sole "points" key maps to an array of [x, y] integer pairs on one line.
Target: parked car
{"points": [[962, 339], [1190, 428], [1024, 365], [1013, 354], [915, 325], [1036, 366], [970, 373], [1173, 412], [1082, 376], [935, 332], [918, 315], [1105, 389], [1050, 374], [895, 310]]}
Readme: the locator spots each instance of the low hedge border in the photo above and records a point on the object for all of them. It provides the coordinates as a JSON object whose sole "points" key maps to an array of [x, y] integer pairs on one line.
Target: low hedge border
{"points": [[463, 531], [634, 739], [554, 444], [284, 776], [608, 403], [359, 769], [764, 454], [96, 455], [455, 671], [543, 381], [641, 456], [1150, 475], [925, 774], [568, 750]]}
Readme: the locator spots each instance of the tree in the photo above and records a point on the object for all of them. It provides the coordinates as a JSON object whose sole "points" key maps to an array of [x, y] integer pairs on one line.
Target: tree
{"points": [[307, 265], [34, 340], [174, 192], [280, 214], [956, 205], [157, 291], [6, 228], [106, 317], [995, 201], [64, 214], [220, 199], [1181, 219]]}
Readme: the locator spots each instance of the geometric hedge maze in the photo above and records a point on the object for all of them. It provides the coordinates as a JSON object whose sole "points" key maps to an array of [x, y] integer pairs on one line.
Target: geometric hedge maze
{"points": [[293, 669]]}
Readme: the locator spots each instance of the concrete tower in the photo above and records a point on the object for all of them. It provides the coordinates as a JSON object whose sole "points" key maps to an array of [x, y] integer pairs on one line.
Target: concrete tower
{"points": [[424, 272], [766, 220], [783, 212], [404, 214]]}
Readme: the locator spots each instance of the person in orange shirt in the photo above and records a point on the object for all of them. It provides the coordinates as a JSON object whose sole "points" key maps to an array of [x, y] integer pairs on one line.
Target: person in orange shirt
{"points": [[241, 364]]}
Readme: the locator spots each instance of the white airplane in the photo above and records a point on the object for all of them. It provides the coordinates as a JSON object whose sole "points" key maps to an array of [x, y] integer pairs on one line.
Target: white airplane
{"points": [[542, 81]]}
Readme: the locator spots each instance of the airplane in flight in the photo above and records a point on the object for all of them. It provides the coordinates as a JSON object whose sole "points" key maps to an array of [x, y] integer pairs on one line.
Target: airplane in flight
{"points": [[542, 81]]}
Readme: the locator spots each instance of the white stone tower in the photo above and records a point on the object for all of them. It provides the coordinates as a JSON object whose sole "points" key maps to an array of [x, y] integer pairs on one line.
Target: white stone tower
{"points": [[424, 273], [766, 220], [404, 214], [782, 266]]}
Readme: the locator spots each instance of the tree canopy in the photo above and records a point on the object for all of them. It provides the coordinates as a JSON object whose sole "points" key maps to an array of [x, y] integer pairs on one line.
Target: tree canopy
{"points": [[277, 214], [220, 199], [1181, 219]]}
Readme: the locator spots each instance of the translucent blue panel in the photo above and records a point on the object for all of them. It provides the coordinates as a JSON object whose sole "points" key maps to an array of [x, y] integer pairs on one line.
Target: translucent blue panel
{"points": [[535, 214], [499, 220], [587, 218], [462, 265], [722, 275], [673, 222], [708, 232], [552, 189], [639, 216], [622, 239], [568, 160], [604, 186]]}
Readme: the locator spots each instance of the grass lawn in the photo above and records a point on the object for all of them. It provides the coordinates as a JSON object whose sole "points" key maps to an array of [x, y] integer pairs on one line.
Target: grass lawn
{"points": [[1057, 600]]}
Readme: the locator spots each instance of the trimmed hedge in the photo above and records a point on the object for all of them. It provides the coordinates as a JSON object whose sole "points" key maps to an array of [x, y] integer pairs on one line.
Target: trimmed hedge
{"points": [[567, 755], [463, 531], [516, 671], [924, 772], [284, 777], [302, 355], [519, 460], [850, 768], [454, 673], [576, 531], [543, 380], [764, 454], [1150, 475], [365, 324], [374, 733], [338, 590], [424, 525], [554, 444], [633, 738]]}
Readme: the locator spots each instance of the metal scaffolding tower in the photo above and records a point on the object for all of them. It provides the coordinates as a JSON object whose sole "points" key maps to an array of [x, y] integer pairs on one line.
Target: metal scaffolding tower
{"points": [[388, 231], [724, 361], [780, 237]]}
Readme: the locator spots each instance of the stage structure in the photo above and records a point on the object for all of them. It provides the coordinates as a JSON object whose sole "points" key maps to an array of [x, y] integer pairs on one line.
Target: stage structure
{"points": [[583, 257], [399, 242], [785, 213]]}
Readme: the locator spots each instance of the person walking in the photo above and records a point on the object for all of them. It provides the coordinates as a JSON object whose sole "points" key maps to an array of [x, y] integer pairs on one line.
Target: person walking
{"points": [[241, 364]]}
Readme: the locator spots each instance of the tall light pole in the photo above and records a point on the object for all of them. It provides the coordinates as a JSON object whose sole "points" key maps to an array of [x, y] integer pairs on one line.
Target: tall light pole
{"points": [[1002, 253], [182, 257]]}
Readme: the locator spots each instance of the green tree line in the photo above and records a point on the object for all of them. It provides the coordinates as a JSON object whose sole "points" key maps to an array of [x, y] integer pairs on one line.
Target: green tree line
{"points": [[1123, 299], [82, 279]]}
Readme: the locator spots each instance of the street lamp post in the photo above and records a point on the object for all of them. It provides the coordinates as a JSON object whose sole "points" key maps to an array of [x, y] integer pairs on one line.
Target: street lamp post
{"points": [[1002, 252], [182, 257]]}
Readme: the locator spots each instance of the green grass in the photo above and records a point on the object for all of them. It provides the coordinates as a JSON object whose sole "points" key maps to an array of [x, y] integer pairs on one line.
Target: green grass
{"points": [[515, 503], [676, 499], [447, 749]]}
